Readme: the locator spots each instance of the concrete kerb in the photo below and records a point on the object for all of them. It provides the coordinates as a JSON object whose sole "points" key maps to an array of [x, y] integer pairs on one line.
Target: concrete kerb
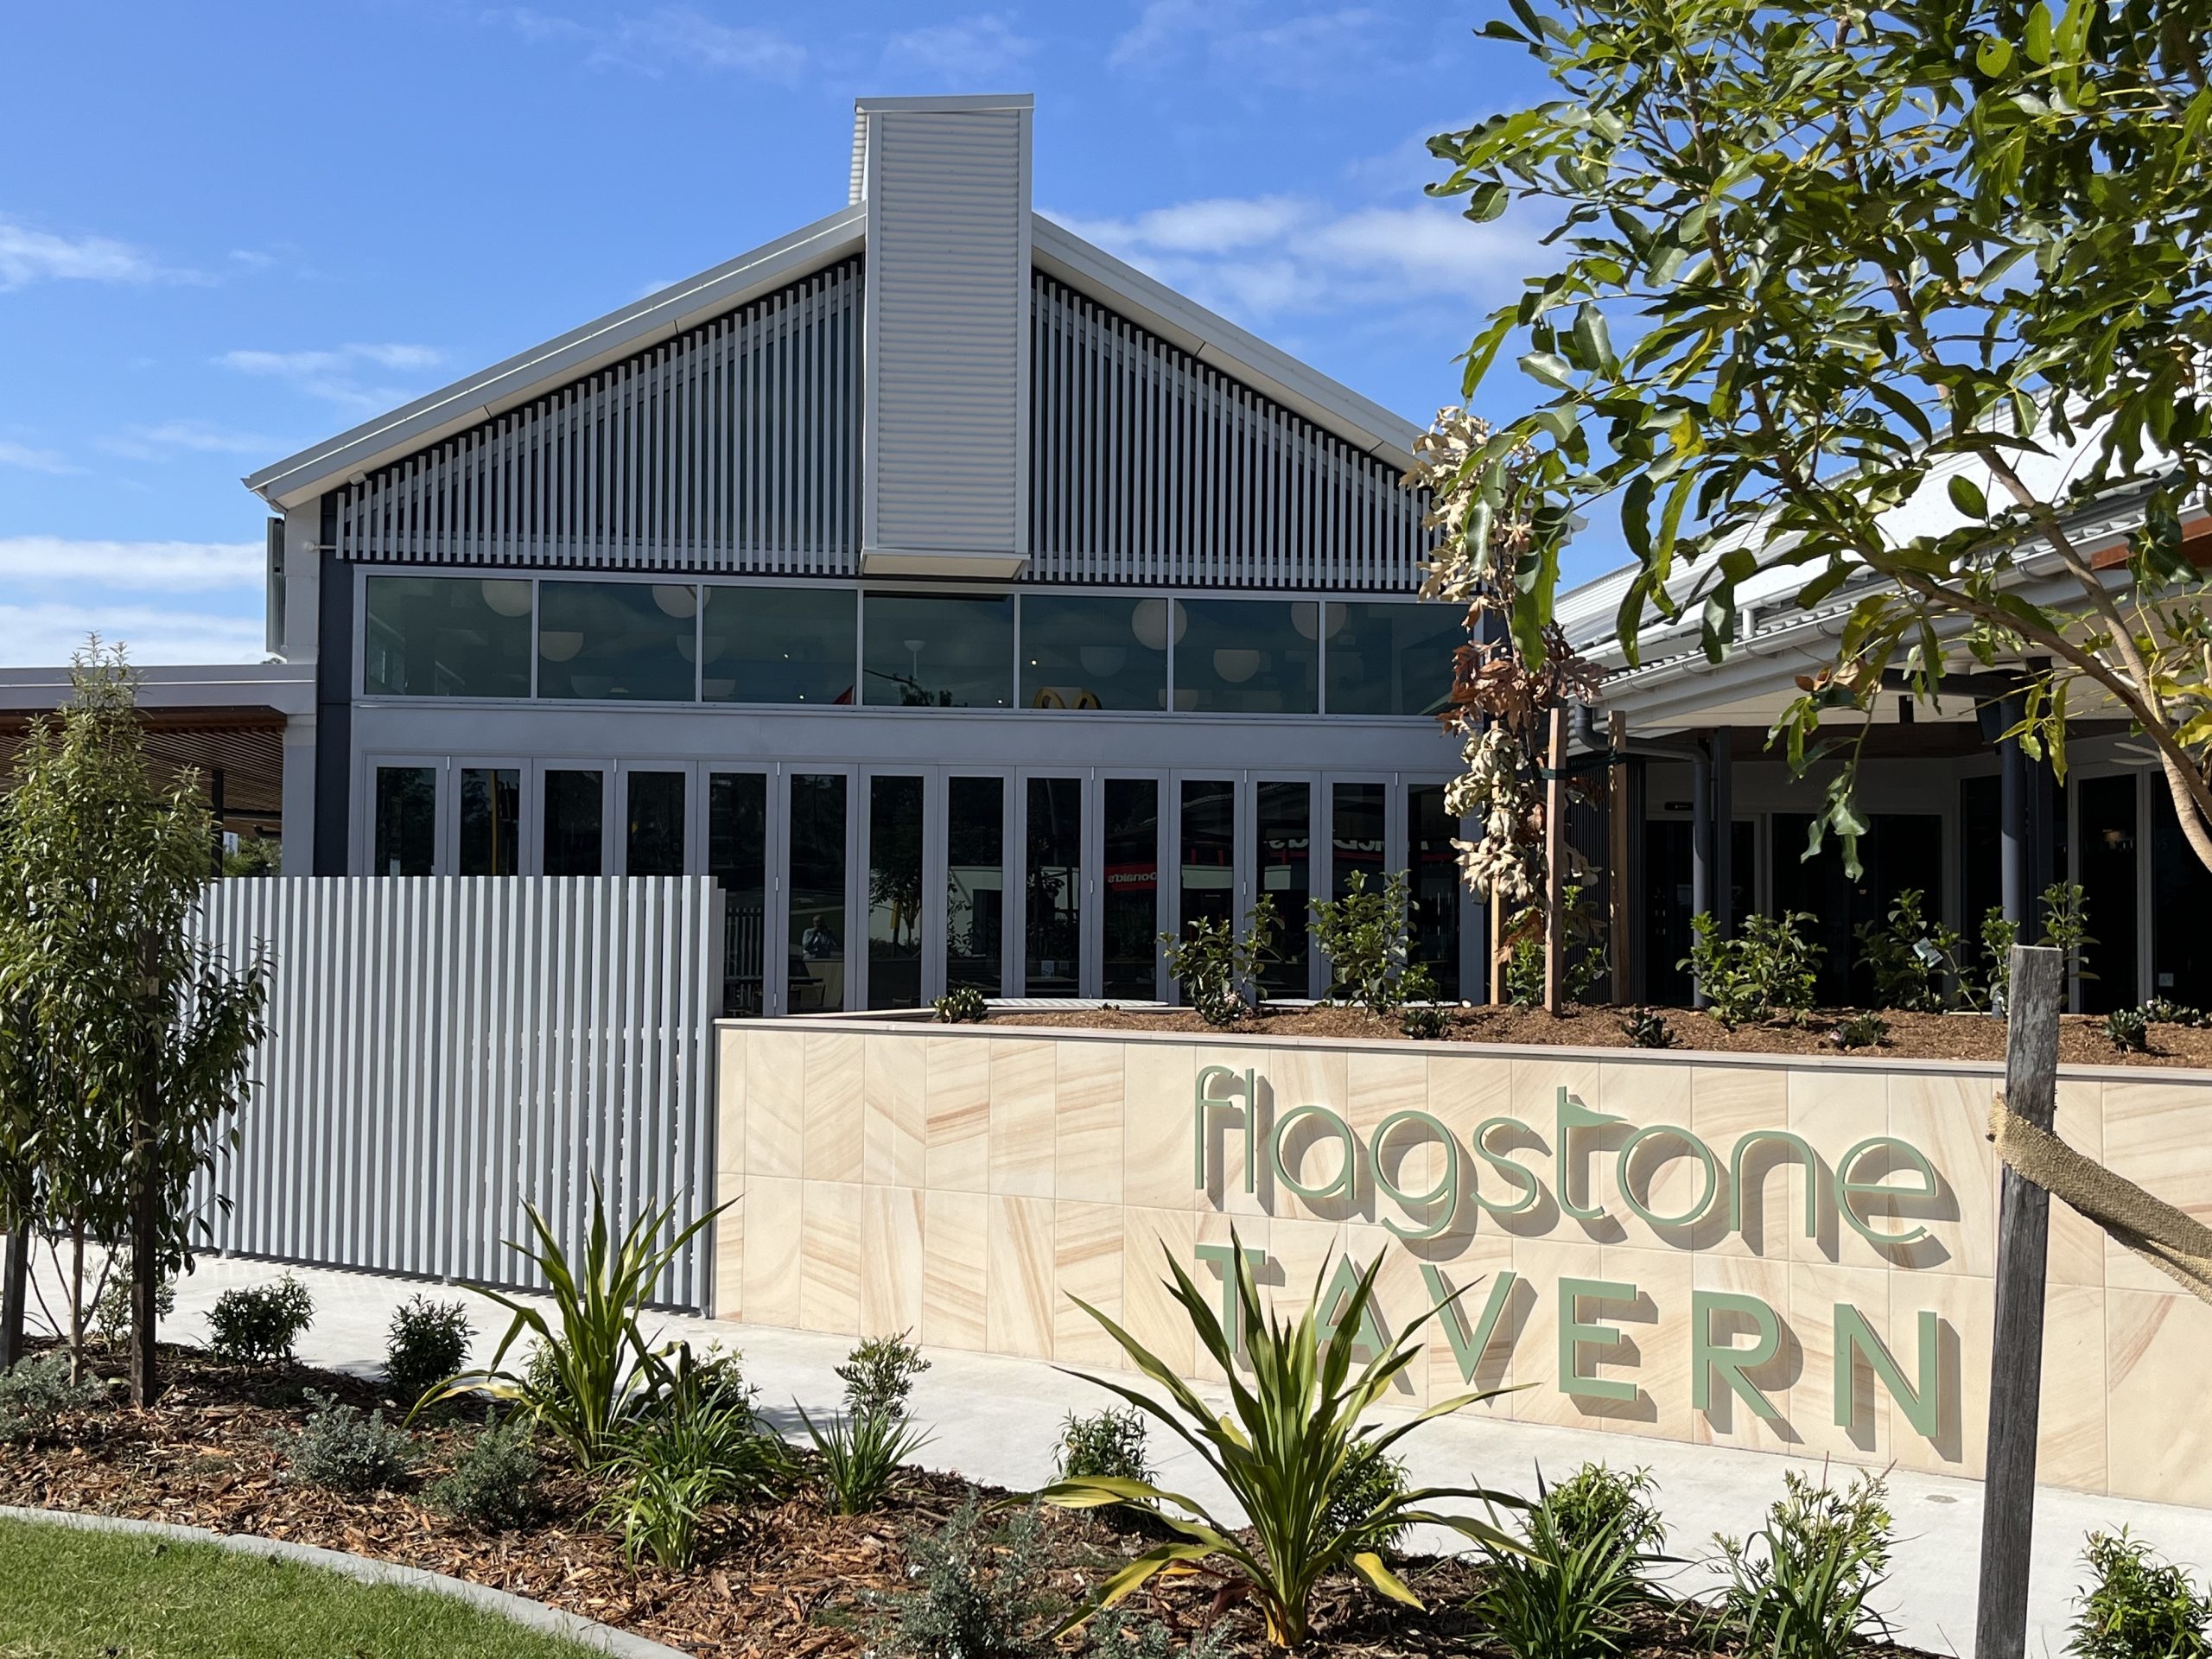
{"points": [[516, 1610]]}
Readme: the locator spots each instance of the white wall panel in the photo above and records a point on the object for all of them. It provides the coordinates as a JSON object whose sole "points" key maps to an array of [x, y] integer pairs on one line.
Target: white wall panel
{"points": [[443, 1049]]}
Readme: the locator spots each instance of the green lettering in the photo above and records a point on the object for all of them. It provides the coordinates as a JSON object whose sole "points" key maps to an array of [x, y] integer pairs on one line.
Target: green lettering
{"points": [[1517, 1176], [1575, 1333], [1736, 1178], [1444, 1193], [1845, 1188], [1343, 1283], [1469, 1346], [1202, 1097], [1343, 1185], [1222, 1257], [1569, 1114], [1923, 1406], [1655, 1131], [1730, 1362]]}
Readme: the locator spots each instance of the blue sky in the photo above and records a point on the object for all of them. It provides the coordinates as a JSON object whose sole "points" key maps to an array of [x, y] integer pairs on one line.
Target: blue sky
{"points": [[227, 231]]}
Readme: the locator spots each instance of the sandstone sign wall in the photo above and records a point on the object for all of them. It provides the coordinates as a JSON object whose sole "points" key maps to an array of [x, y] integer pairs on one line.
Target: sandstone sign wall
{"points": [[1792, 1255]]}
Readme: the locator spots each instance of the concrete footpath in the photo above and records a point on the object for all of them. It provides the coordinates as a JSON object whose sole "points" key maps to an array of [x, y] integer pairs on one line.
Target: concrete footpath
{"points": [[997, 1420]]}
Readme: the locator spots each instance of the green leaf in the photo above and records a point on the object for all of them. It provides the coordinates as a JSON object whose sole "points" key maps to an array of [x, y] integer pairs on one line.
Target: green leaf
{"points": [[1967, 497], [1594, 339], [1550, 368], [1994, 56], [2037, 41], [1369, 1566]]}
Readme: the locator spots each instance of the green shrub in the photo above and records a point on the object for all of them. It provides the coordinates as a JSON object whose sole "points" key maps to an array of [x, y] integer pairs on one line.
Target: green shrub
{"points": [[963, 1004], [1583, 966], [1910, 959], [1216, 969], [861, 1456], [2126, 1029], [697, 1447], [878, 1375], [1798, 1587], [1371, 1480], [1421, 1017], [2164, 1011], [1363, 936], [2065, 927], [342, 1450], [1768, 969], [1109, 1443], [37, 1393], [1860, 1031], [976, 1589], [1570, 1592], [257, 1325], [428, 1343], [492, 1485], [1644, 1028], [111, 1312], [1113, 1636], [2137, 1606], [1282, 1452]]}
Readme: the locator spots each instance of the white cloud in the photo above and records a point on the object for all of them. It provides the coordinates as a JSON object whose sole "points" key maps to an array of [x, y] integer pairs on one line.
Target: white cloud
{"points": [[30, 460], [27, 256], [337, 375], [44, 635], [169, 438], [1245, 39], [969, 50], [650, 42], [163, 567]]}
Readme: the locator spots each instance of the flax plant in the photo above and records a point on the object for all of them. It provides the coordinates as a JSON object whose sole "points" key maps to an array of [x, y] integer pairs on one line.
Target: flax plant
{"points": [[1285, 1451]]}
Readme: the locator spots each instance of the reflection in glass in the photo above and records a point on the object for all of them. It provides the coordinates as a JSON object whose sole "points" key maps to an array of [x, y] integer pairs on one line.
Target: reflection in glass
{"points": [[1282, 865], [1432, 876], [1209, 853], [654, 843], [491, 820], [1248, 656], [407, 821], [737, 857], [778, 645], [1084, 653], [930, 651], [894, 893], [446, 636], [1356, 838], [619, 640], [817, 983], [572, 809], [1132, 889], [1054, 887], [975, 883], [1391, 659]]}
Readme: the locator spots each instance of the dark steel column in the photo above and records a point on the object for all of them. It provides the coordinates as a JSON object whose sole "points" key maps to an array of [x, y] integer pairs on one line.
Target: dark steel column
{"points": [[2013, 817], [1701, 871], [1724, 834]]}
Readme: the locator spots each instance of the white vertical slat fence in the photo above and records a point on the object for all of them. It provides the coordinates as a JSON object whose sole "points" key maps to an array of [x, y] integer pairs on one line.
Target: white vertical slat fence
{"points": [[444, 1050]]}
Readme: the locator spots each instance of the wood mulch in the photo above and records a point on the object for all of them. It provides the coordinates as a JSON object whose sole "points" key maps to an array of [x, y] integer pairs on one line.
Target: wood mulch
{"points": [[2082, 1039], [792, 1581]]}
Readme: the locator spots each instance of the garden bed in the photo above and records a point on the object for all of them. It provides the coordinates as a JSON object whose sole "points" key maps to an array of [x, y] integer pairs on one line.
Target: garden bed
{"points": [[790, 1581], [2082, 1038]]}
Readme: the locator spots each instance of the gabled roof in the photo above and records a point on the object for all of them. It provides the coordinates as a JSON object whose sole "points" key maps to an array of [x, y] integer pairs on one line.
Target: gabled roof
{"points": [[1055, 250]]}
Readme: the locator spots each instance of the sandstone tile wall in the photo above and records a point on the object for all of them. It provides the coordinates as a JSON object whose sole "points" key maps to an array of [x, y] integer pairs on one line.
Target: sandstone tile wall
{"points": [[968, 1184]]}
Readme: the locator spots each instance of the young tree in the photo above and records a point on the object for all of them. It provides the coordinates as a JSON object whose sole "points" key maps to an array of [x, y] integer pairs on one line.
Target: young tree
{"points": [[126, 1041], [1899, 296]]}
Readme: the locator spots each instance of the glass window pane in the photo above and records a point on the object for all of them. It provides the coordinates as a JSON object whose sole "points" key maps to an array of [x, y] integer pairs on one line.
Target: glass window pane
{"points": [[654, 842], [491, 820], [737, 857], [1355, 838], [1055, 884], [780, 645], [1282, 859], [1132, 890], [817, 980], [974, 882], [446, 636], [407, 821], [926, 651], [1392, 659], [1094, 653], [1432, 876], [1247, 657], [1209, 852], [574, 809], [618, 640], [894, 893]]}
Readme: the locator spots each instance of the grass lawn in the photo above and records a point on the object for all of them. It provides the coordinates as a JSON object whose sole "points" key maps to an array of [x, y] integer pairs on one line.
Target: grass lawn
{"points": [[93, 1595]]}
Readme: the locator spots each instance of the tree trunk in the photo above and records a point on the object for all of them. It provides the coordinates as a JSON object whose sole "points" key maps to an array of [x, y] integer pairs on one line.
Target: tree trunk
{"points": [[145, 1193], [1555, 866], [15, 1289], [77, 1302]]}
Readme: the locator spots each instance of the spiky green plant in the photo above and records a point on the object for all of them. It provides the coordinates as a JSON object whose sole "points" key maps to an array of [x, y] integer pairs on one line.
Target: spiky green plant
{"points": [[586, 1378], [1283, 1450]]}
